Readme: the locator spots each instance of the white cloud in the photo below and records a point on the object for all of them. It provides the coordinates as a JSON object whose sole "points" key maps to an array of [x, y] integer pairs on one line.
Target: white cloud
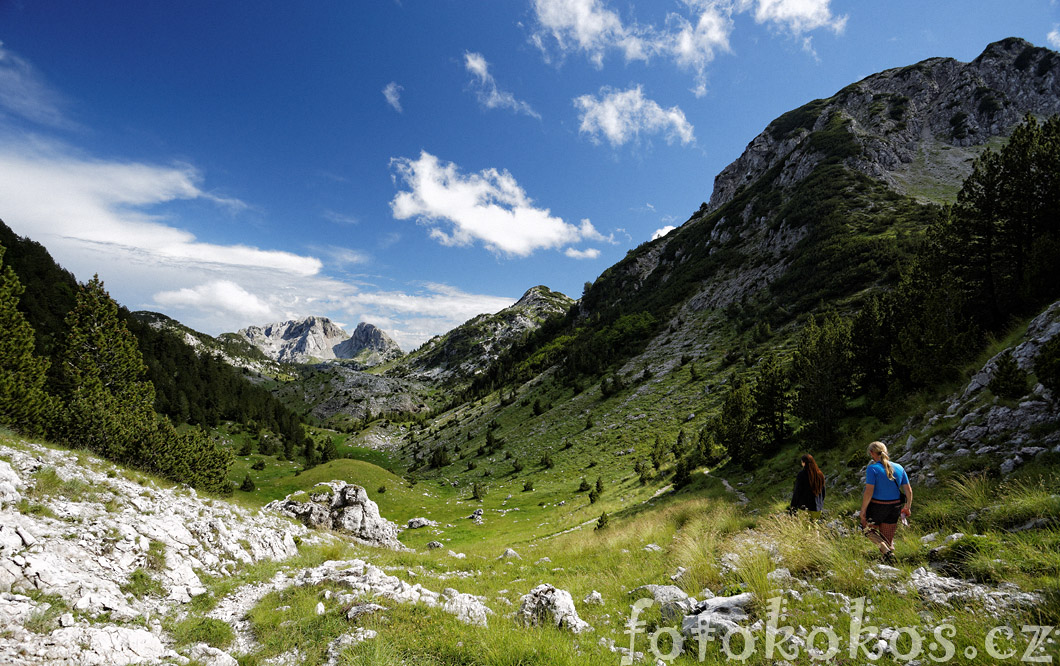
{"points": [[589, 253], [24, 93], [220, 295], [86, 205], [586, 25], [798, 16], [489, 207], [486, 89], [659, 233], [691, 38], [692, 45], [1054, 37], [623, 115], [392, 93]]}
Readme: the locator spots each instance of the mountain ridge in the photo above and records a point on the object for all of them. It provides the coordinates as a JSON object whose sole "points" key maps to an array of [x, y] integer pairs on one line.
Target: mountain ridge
{"points": [[313, 339]]}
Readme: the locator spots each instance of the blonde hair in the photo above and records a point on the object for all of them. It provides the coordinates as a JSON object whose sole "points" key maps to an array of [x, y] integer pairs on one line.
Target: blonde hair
{"points": [[881, 449]]}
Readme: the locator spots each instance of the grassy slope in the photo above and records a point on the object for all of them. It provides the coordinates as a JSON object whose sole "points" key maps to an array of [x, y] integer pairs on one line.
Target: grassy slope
{"points": [[695, 527]]}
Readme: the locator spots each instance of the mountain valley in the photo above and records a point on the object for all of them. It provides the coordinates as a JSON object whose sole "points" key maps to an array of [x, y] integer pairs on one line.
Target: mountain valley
{"points": [[535, 472]]}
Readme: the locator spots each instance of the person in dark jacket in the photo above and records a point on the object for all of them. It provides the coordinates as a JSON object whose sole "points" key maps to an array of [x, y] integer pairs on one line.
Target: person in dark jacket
{"points": [[809, 488]]}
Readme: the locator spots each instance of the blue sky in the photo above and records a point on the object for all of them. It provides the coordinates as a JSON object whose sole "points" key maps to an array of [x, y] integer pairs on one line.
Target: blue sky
{"points": [[409, 163]]}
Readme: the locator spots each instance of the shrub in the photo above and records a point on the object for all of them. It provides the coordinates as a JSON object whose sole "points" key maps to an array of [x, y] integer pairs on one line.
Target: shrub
{"points": [[478, 491], [1009, 381], [593, 496], [258, 465], [381, 489], [603, 521], [528, 486], [584, 486], [248, 484]]}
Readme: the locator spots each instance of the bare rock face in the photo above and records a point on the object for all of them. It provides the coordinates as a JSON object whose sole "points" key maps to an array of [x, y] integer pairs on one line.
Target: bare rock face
{"points": [[344, 508], [548, 605], [315, 339], [999, 435], [905, 118], [369, 345], [296, 341]]}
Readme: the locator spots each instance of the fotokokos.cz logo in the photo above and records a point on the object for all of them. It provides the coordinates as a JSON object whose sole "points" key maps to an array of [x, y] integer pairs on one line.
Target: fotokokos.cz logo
{"points": [[1026, 644]]}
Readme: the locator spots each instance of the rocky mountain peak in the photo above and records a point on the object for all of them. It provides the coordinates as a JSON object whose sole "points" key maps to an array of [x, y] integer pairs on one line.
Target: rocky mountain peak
{"points": [[913, 127], [369, 345], [469, 348], [313, 339]]}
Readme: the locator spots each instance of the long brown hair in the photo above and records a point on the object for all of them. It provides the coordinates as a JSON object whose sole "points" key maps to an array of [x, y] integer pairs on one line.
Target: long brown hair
{"points": [[881, 449], [813, 474]]}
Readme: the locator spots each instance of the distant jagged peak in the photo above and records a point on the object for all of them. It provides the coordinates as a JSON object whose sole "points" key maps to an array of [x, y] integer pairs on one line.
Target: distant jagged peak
{"points": [[313, 339]]}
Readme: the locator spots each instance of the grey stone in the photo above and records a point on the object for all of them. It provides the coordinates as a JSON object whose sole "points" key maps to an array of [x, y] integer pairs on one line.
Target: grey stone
{"points": [[550, 606], [345, 508]]}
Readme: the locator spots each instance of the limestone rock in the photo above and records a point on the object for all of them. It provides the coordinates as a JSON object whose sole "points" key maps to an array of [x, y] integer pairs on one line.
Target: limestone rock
{"points": [[417, 523], [594, 598], [9, 483], [943, 590], [672, 600], [344, 508], [721, 614], [211, 656], [547, 605]]}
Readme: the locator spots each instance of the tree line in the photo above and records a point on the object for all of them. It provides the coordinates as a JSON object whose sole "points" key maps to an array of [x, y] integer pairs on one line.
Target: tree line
{"points": [[79, 369]]}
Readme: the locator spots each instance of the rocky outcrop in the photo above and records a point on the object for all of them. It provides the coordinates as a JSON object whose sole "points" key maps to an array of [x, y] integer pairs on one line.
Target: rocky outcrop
{"points": [[315, 339], [546, 605], [344, 508], [84, 542], [672, 600], [1000, 435]]}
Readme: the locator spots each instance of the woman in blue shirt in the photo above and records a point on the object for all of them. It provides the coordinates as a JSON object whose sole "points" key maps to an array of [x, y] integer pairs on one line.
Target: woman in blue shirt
{"points": [[887, 497]]}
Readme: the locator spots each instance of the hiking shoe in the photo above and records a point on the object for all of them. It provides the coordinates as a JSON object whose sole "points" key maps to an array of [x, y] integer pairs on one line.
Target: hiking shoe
{"points": [[888, 557]]}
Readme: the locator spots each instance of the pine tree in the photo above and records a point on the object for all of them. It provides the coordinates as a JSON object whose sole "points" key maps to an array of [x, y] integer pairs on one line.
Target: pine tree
{"points": [[736, 430], [772, 404], [603, 521], [683, 471], [821, 370], [1009, 381], [109, 405], [870, 338], [24, 405]]}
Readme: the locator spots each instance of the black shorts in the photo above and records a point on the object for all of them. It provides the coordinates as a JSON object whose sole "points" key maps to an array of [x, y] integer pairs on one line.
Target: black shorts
{"points": [[884, 513]]}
